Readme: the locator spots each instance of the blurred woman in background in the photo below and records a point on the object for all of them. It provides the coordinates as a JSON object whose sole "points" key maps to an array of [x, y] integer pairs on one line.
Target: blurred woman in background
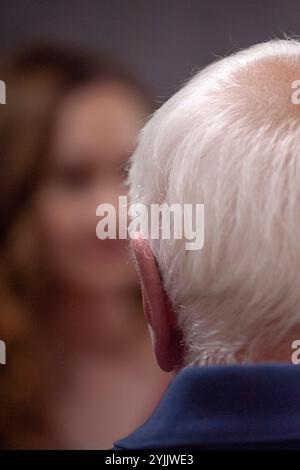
{"points": [[80, 371]]}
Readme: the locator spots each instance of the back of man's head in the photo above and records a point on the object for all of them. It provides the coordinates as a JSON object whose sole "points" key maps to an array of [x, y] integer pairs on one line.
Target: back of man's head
{"points": [[230, 139]]}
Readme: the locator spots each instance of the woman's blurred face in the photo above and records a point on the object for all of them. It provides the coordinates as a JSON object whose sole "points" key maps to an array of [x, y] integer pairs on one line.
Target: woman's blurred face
{"points": [[94, 135]]}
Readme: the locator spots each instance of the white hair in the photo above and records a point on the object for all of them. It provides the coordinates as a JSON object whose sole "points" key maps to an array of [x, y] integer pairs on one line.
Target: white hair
{"points": [[230, 139]]}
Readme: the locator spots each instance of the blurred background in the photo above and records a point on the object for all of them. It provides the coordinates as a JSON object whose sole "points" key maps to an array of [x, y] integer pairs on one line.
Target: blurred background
{"points": [[82, 79], [165, 41]]}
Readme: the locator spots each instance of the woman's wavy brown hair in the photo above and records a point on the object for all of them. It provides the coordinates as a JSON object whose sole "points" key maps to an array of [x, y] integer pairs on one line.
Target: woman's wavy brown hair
{"points": [[36, 81]]}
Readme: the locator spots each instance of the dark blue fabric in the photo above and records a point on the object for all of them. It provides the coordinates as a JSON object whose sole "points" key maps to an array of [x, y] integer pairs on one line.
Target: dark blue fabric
{"points": [[225, 407]]}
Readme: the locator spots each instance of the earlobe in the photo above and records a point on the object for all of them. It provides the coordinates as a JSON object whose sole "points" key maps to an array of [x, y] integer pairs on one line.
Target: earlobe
{"points": [[168, 341]]}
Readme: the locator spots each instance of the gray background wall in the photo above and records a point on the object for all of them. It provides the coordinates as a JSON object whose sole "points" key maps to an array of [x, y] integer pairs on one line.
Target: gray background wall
{"points": [[163, 40]]}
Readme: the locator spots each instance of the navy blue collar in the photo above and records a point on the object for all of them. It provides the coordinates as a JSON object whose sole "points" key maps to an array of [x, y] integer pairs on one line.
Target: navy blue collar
{"points": [[224, 405]]}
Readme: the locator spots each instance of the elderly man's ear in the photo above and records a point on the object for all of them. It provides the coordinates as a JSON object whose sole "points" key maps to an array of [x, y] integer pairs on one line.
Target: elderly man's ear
{"points": [[167, 338]]}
